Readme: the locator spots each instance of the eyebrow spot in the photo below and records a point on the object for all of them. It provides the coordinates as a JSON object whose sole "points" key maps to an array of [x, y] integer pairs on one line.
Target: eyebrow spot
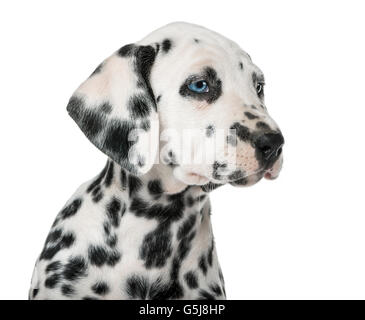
{"points": [[241, 65], [257, 78], [262, 125], [250, 115], [209, 131], [166, 45]]}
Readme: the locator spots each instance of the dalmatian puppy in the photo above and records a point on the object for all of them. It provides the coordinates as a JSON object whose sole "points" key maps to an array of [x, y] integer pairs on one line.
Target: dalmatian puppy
{"points": [[141, 228]]}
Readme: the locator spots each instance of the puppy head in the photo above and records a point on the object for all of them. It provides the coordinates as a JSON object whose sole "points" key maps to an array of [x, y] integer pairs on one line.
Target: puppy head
{"points": [[184, 96], [213, 120]]}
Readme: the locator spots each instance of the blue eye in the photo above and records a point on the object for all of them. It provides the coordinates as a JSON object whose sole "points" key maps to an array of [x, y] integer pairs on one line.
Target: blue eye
{"points": [[199, 86]]}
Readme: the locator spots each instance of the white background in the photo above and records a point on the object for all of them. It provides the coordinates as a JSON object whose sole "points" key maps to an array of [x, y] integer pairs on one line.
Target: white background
{"points": [[299, 237]]}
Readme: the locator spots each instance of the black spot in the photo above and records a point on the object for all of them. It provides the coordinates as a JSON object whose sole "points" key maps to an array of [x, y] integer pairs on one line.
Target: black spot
{"points": [[210, 186], [98, 197], [222, 280], [209, 131], [113, 258], [90, 121], [159, 291], [196, 40], [100, 288], [205, 295], [145, 58], [166, 45], [241, 65], [186, 227], [201, 198], [239, 182], [190, 201], [250, 115], [210, 254], [236, 175], [89, 298], [138, 106], [107, 227], [60, 243], [191, 280], [215, 86], [242, 132], [35, 292], [174, 274], [134, 184], [112, 211], [155, 188], [75, 268], [123, 179], [156, 247], [145, 125], [117, 143], [97, 194], [112, 240], [203, 264], [127, 50], [185, 246], [158, 98], [137, 287], [216, 289], [54, 236], [262, 126], [171, 212], [218, 170], [54, 266], [52, 281], [106, 108], [71, 209], [98, 179], [109, 175], [67, 290], [123, 210], [99, 256], [67, 240], [97, 70], [170, 159]]}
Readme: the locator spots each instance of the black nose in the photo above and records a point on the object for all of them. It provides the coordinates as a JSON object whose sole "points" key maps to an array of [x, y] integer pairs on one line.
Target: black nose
{"points": [[269, 146]]}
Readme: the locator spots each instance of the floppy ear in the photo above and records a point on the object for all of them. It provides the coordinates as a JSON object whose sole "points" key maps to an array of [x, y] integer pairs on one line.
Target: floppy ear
{"points": [[116, 109]]}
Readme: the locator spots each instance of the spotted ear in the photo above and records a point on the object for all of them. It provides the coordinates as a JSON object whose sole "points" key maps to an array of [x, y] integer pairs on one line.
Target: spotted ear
{"points": [[116, 108]]}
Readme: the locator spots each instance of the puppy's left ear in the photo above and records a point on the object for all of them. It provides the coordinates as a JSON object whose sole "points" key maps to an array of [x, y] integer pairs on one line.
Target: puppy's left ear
{"points": [[116, 108]]}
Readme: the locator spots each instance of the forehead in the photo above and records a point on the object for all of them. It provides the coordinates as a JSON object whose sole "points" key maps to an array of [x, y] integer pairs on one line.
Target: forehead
{"points": [[193, 47]]}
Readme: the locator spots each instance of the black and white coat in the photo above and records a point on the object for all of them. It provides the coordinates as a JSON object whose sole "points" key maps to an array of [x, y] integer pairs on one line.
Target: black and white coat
{"points": [[141, 229]]}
